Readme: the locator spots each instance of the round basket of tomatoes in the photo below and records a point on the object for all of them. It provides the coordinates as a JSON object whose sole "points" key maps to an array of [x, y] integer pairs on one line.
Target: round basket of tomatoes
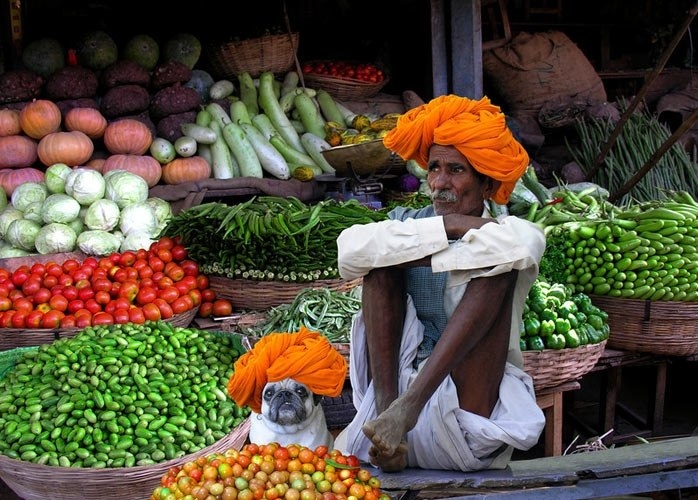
{"points": [[49, 299], [345, 80]]}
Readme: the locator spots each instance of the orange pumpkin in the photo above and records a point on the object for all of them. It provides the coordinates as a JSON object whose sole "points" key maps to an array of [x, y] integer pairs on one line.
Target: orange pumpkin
{"points": [[144, 166], [11, 178], [40, 118], [9, 122], [17, 151], [127, 137], [72, 148], [88, 120], [181, 170]]}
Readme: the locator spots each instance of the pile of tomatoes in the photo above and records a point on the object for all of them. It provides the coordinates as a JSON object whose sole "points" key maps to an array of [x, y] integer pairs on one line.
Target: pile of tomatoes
{"points": [[127, 287], [271, 471], [366, 72]]}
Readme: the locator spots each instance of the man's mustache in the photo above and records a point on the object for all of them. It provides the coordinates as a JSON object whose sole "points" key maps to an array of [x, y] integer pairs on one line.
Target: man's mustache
{"points": [[444, 195]]}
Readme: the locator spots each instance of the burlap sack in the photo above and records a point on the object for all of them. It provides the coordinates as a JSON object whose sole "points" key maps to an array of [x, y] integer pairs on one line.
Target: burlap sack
{"points": [[536, 67]]}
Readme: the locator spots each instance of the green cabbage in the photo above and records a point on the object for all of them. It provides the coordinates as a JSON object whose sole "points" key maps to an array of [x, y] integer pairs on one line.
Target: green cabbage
{"points": [[7, 216], [55, 238], [135, 241], [60, 207], [125, 188], [138, 218], [33, 212], [27, 193], [9, 251], [22, 233], [55, 177], [102, 214], [98, 242], [85, 185]]}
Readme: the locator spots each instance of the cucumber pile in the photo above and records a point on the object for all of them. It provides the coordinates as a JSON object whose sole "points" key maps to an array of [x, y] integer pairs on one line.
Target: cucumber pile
{"points": [[647, 251], [556, 318], [119, 396]]}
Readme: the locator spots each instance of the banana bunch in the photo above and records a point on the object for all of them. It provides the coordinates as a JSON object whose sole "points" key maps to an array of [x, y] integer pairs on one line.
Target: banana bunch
{"points": [[363, 128]]}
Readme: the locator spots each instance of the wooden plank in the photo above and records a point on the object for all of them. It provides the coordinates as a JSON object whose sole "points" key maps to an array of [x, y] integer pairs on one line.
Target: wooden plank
{"points": [[555, 471], [466, 57], [439, 58]]}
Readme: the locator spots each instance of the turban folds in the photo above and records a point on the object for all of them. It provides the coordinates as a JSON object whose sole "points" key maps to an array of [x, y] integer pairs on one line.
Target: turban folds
{"points": [[305, 356], [477, 129]]}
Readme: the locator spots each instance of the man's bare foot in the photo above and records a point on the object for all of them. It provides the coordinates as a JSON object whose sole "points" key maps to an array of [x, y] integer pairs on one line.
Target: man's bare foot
{"points": [[388, 430], [393, 463]]}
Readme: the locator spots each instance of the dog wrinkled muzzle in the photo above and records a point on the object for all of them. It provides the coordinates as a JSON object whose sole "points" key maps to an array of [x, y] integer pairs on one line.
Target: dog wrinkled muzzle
{"points": [[286, 408]]}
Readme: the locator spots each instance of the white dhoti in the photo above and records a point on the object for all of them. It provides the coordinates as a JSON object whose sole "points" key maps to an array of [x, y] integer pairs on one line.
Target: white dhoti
{"points": [[445, 436]]}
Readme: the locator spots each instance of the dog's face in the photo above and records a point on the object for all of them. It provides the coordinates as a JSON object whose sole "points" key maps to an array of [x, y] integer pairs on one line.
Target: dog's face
{"points": [[288, 403], [291, 413]]}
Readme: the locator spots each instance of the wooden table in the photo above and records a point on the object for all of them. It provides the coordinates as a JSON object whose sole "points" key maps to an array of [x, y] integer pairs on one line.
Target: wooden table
{"points": [[550, 400]]}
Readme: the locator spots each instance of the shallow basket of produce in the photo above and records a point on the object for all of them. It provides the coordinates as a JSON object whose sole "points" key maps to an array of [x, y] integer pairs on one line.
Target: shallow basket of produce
{"points": [[551, 367], [37, 482], [658, 327], [344, 89], [11, 338], [275, 53], [252, 295]]}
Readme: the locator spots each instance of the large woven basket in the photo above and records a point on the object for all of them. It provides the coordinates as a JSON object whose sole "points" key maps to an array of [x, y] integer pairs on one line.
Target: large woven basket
{"points": [[11, 338], [275, 53], [38, 482], [251, 295], [657, 327], [551, 367], [344, 89]]}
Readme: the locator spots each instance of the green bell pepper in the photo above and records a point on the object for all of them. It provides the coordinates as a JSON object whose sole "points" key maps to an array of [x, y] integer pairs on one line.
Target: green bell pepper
{"points": [[535, 343], [571, 339], [562, 325], [547, 327], [596, 321], [555, 341], [531, 326]]}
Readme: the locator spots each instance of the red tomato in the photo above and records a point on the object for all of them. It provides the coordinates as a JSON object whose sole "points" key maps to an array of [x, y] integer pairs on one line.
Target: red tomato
{"points": [[82, 273], [166, 243], [58, 302], [129, 290], [53, 269], [142, 254], [169, 294], [5, 288], [120, 275], [100, 273], [75, 305], [19, 277], [6, 319], [33, 319], [131, 273], [91, 262], [145, 272], [202, 282], [43, 307], [135, 315], [146, 295], [69, 321], [148, 282], [195, 296], [18, 319], [165, 308], [85, 293], [181, 287], [164, 255], [52, 319], [38, 268], [102, 318], [5, 303], [208, 295], [182, 304], [205, 309], [121, 316], [102, 297], [64, 279], [164, 282], [127, 258], [93, 306], [70, 292], [42, 295], [22, 304], [179, 253], [31, 286], [70, 265], [222, 307], [155, 263], [122, 303], [101, 284], [115, 257], [83, 320], [190, 267], [151, 312]]}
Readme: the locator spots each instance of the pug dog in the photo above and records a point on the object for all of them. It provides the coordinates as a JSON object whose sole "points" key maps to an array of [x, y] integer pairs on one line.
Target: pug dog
{"points": [[291, 414]]}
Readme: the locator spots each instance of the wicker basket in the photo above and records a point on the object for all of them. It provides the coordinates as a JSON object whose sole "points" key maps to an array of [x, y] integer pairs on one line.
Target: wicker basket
{"points": [[251, 295], [11, 338], [275, 53], [551, 367], [657, 327], [37, 482], [344, 89]]}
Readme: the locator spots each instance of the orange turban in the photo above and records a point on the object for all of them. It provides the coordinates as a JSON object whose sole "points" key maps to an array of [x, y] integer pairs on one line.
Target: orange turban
{"points": [[305, 356], [477, 129]]}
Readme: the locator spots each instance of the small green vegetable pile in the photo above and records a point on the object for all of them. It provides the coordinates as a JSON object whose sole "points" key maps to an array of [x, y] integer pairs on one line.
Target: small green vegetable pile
{"points": [[269, 238], [119, 396], [555, 319], [329, 312]]}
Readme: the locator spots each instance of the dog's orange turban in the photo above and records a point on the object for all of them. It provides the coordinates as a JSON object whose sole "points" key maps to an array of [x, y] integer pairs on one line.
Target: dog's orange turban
{"points": [[477, 129], [305, 356]]}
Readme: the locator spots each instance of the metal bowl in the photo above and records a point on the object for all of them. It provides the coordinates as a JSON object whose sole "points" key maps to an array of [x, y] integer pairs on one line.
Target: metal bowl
{"points": [[363, 159]]}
